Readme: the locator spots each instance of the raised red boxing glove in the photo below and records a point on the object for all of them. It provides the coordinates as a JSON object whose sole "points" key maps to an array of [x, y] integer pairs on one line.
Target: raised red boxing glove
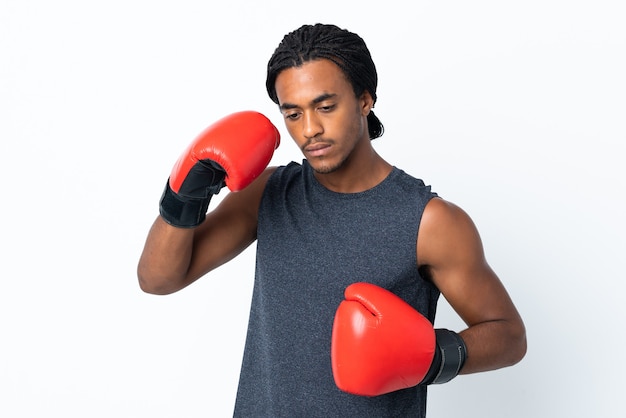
{"points": [[231, 152], [380, 344]]}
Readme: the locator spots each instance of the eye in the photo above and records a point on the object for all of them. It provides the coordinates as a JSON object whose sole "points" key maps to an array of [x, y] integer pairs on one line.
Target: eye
{"points": [[291, 115], [327, 108]]}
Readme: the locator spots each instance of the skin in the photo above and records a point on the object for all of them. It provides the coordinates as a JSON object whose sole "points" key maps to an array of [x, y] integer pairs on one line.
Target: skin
{"points": [[328, 122]]}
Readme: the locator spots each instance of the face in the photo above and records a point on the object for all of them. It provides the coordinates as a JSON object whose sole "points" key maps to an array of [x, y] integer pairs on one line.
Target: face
{"points": [[322, 114]]}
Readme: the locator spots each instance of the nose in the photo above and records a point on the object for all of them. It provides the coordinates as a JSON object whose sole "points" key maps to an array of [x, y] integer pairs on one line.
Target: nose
{"points": [[311, 125]]}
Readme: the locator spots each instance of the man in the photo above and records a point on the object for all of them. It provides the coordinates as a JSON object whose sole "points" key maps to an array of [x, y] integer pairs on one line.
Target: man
{"points": [[352, 252]]}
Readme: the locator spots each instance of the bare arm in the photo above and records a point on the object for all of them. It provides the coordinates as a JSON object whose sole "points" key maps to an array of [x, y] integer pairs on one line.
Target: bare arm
{"points": [[173, 258], [450, 251]]}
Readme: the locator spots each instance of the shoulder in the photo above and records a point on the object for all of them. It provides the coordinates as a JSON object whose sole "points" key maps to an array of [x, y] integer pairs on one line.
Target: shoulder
{"points": [[291, 169], [246, 201], [283, 177], [447, 234], [440, 213]]}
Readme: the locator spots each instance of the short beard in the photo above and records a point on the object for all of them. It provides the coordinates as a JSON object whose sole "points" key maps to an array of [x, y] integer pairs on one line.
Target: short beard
{"points": [[328, 169], [325, 169]]}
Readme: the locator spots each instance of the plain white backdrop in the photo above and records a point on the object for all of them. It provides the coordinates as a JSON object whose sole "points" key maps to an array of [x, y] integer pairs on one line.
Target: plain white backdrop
{"points": [[513, 110]]}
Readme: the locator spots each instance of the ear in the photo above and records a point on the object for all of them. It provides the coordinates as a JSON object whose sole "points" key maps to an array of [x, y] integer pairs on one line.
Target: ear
{"points": [[366, 103]]}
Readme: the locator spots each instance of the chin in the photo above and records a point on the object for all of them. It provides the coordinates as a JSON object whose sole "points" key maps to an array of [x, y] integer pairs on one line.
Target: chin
{"points": [[324, 167]]}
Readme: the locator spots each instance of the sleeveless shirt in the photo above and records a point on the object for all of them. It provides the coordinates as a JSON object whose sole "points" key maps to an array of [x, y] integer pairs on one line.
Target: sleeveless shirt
{"points": [[311, 244]]}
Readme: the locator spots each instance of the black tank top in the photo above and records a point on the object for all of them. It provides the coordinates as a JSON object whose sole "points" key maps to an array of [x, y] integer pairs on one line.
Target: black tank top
{"points": [[311, 244]]}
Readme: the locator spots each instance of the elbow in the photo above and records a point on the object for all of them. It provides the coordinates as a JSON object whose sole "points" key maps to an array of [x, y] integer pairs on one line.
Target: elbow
{"points": [[518, 344], [523, 349], [153, 284], [150, 288]]}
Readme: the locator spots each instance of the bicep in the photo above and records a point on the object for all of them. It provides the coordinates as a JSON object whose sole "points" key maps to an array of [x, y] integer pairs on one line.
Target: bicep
{"points": [[229, 228], [451, 251]]}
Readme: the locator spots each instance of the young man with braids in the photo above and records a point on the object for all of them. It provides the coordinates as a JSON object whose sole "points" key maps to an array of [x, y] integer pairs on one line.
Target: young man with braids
{"points": [[352, 252]]}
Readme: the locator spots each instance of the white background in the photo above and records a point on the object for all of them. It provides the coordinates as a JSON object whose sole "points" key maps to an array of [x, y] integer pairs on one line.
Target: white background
{"points": [[513, 110]]}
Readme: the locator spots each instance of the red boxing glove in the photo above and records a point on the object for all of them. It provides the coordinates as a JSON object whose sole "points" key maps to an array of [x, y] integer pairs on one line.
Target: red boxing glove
{"points": [[380, 344], [233, 152]]}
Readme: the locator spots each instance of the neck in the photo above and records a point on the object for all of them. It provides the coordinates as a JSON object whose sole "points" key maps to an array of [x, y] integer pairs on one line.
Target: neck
{"points": [[361, 171]]}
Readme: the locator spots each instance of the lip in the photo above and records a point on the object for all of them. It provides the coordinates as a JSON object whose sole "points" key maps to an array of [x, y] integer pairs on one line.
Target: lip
{"points": [[317, 149]]}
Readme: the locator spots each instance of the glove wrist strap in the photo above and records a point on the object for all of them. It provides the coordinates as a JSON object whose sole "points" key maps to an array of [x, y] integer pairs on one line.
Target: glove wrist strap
{"points": [[450, 355], [182, 212]]}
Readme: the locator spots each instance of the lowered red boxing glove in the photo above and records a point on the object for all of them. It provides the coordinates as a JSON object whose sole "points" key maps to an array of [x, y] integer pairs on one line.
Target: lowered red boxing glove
{"points": [[380, 344], [233, 152]]}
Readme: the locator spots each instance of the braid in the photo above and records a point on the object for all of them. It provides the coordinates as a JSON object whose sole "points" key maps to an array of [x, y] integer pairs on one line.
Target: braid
{"points": [[344, 48]]}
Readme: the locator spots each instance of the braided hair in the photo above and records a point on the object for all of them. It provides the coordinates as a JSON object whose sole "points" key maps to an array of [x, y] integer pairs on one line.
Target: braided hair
{"points": [[346, 49]]}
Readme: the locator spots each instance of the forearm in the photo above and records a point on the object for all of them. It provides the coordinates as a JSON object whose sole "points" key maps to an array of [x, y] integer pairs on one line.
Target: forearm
{"points": [[493, 345], [165, 259]]}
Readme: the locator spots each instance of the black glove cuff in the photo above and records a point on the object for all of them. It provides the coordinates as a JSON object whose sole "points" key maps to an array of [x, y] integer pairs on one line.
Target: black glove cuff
{"points": [[182, 212], [450, 355]]}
